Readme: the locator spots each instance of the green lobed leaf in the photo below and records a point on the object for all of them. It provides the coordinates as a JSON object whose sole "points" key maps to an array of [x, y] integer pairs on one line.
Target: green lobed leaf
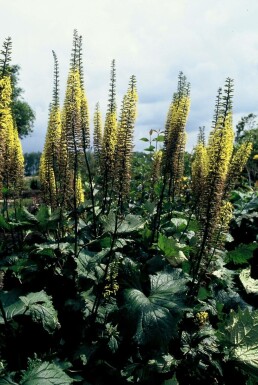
{"points": [[130, 274], [126, 225], [12, 305], [240, 336], [87, 263], [179, 223], [155, 316], [39, 306], [241, 254], [43, 214], [7, 381], [23, 215], [163, 364], [173, 251], [167, 245], [45, 373], [160, 138], [250, 284], [3, 224], [172, 381], [150, 148]]}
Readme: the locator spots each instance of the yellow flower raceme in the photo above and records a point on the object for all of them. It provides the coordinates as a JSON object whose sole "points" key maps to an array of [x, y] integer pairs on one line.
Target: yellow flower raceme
{"points": [[111, 286], [125, 140], [18, 163], [72, 114], [199, 172], [174, 144], [98, 134], [85, 121], [220, 147], [237, 163], [11, 158], [50, 162], [79, 190], [110, 139], [226, 213], [5, 92]]}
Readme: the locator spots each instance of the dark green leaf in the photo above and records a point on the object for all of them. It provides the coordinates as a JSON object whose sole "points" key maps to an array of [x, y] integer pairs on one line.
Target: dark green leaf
{"points": [[150, 148], [163, 364], [7, 381], [155, 316], [12, 305], [203, 293], [122, 226], [87, 262], [23, 215], [39, 306], [3, 224], [145, 139], [160, 138], [45, 373], [240, 335], [241, 254], [167, 245], [173, 251]]}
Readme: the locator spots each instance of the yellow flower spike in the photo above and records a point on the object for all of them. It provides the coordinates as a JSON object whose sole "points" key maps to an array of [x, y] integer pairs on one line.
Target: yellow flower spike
{"points": [[50, 161], [175, 137], [111, 286], [85, 121], [11, 158], [212, 207], [18, 163], [237, 163], [125, 140], [199, 172], [98, 134], [79, 190]]}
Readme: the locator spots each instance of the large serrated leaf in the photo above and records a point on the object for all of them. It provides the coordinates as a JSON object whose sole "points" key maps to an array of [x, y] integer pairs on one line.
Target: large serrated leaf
{"points": [[173, 251], [43, 215], [126, 225], [179, 223], [3, 224], [7, 381], [250, 284], [162, 364], [155, 316], [88, 264], [24, 215], [45, 373], [39, 306], [240, 335], [12, 305], [241, 254]]}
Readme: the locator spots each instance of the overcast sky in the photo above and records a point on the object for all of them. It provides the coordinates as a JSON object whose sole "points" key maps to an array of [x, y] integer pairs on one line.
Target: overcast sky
{"points": [[153, 39]]}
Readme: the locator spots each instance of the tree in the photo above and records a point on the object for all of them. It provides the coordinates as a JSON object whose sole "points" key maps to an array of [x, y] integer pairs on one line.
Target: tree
{"points": [[247, 131], [23, 114], [31, 160]]}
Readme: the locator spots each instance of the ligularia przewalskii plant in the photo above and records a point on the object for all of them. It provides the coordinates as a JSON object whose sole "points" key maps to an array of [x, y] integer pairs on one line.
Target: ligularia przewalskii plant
{"points": [[124, 273]]}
